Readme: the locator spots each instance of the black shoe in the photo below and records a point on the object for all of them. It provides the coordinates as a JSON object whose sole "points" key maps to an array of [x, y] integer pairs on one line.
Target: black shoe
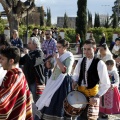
{"points": [[104, 116]]}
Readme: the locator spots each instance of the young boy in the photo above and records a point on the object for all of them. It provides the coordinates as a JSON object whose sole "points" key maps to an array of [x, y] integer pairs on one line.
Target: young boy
{"points": [[15, 103]]}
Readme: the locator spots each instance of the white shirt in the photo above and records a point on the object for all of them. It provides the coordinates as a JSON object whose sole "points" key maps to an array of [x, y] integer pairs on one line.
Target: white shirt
{"points": [[104, 83], [2, 74]]}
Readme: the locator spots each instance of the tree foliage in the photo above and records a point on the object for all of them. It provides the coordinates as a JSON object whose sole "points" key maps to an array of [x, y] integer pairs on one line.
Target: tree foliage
{"points": [[65, 25], [107, 25], [89, 19], [81, 19], [97, 20], [116, 11], [114, 21], [48, 22], [42, 14], [15, 10]]}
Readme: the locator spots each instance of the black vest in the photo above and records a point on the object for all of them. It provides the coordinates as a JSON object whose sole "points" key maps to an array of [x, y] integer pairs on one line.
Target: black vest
{"points": [[92, 73]]}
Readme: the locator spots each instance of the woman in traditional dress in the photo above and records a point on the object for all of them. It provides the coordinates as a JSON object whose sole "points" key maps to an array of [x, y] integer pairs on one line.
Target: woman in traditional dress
{"points": [[50, 104], [110, 102], [104, 53]]}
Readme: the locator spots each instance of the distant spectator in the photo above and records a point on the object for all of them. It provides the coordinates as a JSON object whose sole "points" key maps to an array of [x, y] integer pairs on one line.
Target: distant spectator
{"points": [[103, 39], [55, 34], [49, 45], [116, 47], [15, 40], [111, 45], [35, 33], [59, 37], [42, 37], [113, 42], [78, 43], [92, 37]]}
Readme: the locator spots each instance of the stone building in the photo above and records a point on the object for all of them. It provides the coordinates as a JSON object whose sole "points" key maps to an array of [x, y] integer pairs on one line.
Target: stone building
{"points": [[71, 22]]}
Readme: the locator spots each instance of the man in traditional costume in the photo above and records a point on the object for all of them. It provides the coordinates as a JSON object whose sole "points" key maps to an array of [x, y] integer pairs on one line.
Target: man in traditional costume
{"points": [[15, 102], [92, 78]]}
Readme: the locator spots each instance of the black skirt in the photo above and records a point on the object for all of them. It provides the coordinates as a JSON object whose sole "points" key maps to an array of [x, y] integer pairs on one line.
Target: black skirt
{"points": [[55, 111]]}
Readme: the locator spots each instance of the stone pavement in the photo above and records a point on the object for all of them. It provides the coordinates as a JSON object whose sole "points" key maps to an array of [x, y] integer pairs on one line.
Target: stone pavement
{"points": [[112, 117]]}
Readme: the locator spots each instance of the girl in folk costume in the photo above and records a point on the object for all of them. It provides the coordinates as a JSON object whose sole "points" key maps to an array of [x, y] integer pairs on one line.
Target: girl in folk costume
{"points": [[50, 104], [110, 102]]}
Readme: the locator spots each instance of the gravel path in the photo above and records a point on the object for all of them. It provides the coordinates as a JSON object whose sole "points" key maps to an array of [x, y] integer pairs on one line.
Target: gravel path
{"points": [[112, 117]]}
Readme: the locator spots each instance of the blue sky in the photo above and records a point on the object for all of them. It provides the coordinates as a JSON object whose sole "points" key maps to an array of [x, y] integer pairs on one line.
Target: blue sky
{"points": [[59, 7]]}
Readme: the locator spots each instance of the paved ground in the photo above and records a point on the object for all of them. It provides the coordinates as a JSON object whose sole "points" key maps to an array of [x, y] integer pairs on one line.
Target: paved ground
{"points": [[112, 117]]}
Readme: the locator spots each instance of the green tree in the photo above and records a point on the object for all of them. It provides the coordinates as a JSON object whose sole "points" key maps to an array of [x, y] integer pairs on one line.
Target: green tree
{"points": [[41, 16], [114, 22], [15, 10], [97, 20], [81, 19], [107, 22], [116, 10], [89, 20], [48, 23], [65, 25]]}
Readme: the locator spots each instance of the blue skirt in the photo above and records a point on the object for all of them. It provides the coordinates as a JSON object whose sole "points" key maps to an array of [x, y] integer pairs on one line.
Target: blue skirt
{"points": [[55, 111]]}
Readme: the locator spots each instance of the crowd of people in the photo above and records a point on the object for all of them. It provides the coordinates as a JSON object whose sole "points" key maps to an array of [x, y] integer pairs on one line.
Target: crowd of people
{"points": [[45, 72]]}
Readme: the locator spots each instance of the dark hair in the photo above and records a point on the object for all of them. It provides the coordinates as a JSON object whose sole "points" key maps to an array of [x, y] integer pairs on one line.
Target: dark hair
{"points": [[104, 45], [90, 41], [35, 28], [115, 56], [109, 62], [11, 52], [5, 42], [2, 37], [117, 39], [64, 43]]}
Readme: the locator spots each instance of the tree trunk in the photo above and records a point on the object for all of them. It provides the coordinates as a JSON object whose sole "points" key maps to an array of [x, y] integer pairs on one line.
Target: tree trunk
{"points": [[15, 13], [13, 23]]}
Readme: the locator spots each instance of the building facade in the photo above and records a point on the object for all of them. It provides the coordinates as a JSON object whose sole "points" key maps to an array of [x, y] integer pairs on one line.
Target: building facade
{"points": [[71, 22]]}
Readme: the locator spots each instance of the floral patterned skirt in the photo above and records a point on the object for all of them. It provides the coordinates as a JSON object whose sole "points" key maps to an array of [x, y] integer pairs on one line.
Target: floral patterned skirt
{"points": [[110, 102]]}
